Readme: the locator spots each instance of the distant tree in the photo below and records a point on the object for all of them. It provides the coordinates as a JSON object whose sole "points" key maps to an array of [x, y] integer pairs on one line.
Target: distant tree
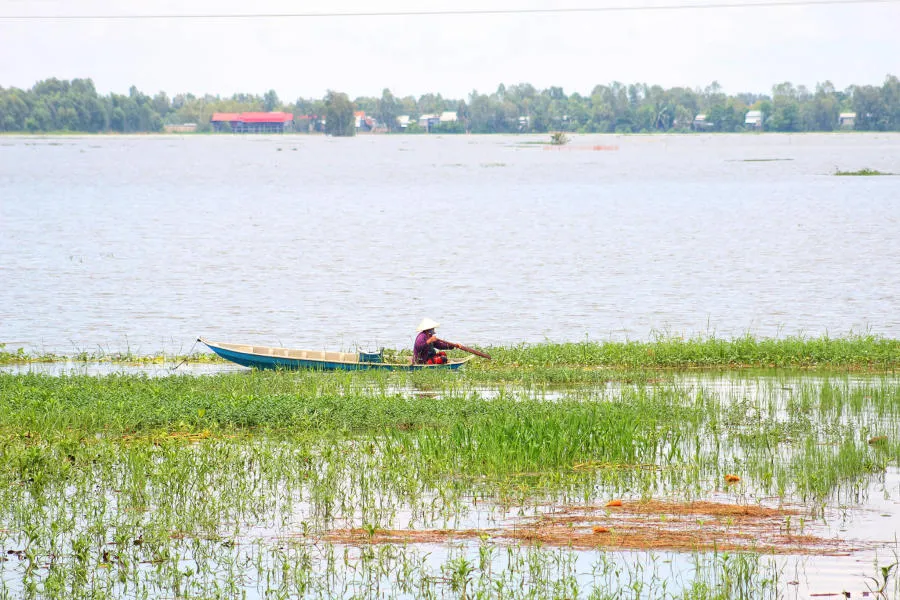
{"points": [[339, 119], [713, 96], [479, 112], [727, 117], [556, 93], [890, 94], [271, 101], [13, 110], [821, 111], [539, 113], [871, 111], [462, 114], [576, 112], [765, 108], [387, 109], [408, 106], [784, 114], [433, 104], [161, 104], [367, 104]]}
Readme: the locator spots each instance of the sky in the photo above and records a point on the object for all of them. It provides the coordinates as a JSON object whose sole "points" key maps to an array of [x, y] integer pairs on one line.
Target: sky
{"points": [[743, 49]]}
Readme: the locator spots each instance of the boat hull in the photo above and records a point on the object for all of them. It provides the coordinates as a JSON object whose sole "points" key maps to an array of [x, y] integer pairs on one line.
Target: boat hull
{"points": [[267, 357]]}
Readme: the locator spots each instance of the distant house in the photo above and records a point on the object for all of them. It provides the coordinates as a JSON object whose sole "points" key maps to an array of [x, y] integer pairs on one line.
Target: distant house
{"points": [[524, 122], [700, 122], [847, 120], [251, 122], [363, 123], [449, 116], [225, 121], [754, 119], [428, 121], [403, 121]]}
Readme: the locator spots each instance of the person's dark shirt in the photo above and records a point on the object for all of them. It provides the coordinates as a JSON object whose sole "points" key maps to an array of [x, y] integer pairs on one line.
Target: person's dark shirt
{"points": [[422, 350]]}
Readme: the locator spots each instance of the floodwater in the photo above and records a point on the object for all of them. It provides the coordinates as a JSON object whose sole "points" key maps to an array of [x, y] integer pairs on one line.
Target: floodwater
{"points": [[143, 243]]}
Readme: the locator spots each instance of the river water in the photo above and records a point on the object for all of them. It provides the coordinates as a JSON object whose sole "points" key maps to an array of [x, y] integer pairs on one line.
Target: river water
{"points": [[144, 243]]}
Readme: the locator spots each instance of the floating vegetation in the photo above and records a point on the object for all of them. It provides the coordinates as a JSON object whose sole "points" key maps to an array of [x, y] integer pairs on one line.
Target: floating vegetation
{"points": [[860, 173], [642, 525], [765, 159], [559, 138]]}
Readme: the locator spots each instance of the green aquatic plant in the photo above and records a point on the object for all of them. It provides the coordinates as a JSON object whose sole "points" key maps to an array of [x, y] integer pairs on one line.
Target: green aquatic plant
{"points": [[882, 580], [860, 173], [559, 138]]}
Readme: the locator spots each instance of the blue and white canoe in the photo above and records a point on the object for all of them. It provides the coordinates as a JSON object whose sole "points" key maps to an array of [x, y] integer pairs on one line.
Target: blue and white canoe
{"points": [[267, 357]]}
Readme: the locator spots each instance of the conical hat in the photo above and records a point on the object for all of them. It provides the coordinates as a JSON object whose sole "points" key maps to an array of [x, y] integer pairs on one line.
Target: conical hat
{"points": [[427, 324]]}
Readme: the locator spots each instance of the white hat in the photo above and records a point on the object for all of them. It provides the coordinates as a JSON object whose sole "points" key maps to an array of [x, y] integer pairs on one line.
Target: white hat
{"points": [[427, 324]]}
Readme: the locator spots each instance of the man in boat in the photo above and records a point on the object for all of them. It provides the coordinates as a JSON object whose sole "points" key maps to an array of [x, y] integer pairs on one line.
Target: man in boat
{"points": [[427, 346]]}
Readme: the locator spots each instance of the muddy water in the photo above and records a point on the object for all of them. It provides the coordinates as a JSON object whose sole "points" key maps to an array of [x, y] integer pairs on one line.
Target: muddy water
{"points": [[144, 243]]}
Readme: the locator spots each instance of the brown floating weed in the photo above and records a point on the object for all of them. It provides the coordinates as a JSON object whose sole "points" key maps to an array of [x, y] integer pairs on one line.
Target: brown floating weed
{"points": [[650, 525]]}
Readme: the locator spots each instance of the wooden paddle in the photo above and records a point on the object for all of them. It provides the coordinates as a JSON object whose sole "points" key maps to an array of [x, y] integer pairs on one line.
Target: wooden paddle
{"points": [[473, 351]]}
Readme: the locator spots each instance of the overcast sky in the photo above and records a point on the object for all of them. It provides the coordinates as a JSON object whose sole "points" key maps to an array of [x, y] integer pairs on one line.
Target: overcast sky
{"points": [[744, 49]]}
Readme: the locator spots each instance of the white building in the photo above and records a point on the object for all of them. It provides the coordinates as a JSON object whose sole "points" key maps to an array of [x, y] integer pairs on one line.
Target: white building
{"points": [[426, 121], [754, 119], [701, 122], [847, 120]]}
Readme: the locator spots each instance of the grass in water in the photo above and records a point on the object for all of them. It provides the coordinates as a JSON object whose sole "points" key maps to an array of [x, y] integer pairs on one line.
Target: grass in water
{"points": [[240, 483], [765, 159], [860, 173]]}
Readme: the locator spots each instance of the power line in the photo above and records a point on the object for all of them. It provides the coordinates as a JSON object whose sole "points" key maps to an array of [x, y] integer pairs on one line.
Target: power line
{"points": [[431, 13]]}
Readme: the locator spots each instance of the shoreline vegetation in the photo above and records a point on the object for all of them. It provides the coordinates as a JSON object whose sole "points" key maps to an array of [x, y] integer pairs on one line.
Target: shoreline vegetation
{"points": [[54, 105], [854, 352]]}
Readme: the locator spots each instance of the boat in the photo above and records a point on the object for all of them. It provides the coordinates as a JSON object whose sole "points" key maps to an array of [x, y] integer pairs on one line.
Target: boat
{"points": [[268, 357]]}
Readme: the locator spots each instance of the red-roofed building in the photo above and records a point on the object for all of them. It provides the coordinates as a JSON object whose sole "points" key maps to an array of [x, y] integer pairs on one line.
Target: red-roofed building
{"points": [[251, 122]]}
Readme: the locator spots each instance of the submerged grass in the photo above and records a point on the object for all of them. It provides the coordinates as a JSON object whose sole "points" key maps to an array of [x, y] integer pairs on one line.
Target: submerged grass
{"points": [[448, 427], [183, 486]]}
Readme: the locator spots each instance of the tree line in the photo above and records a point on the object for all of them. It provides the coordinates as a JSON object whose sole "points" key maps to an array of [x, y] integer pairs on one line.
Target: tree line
{"points": [[55, 105]]}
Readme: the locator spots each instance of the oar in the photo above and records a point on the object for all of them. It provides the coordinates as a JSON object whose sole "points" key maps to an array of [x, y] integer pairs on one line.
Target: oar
{"points": [[473, 351]]}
